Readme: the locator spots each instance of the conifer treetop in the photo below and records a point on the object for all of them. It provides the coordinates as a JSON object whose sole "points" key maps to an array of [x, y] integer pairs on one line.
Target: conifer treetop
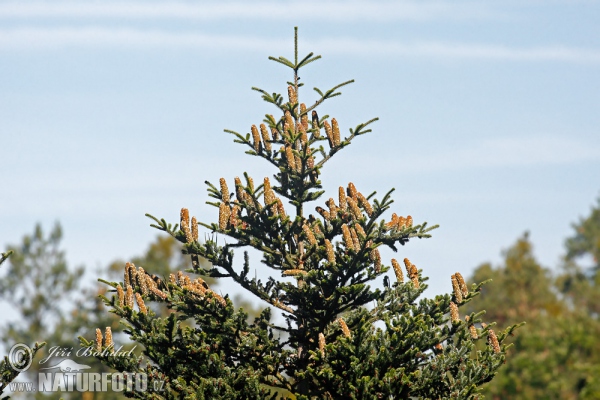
{"points": [[321, 265]]}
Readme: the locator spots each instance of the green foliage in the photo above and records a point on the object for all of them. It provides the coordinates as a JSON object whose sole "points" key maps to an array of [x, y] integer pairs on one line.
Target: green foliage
{"points": [[586, 240], [556, 355], [7, 372], [341, 337], [52, 304], [581, 284], [38, 283]]}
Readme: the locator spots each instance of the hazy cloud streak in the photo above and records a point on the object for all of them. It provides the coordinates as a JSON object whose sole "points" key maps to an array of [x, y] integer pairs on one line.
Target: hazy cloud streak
{"points": [[346, 11], [26, 38], [505, 152]]}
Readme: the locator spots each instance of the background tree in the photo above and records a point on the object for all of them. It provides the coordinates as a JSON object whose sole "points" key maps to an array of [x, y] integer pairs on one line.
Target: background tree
{"points": [[7, 372], [581, 283], [39, 286], [51, 304], [54, 305], [556, 355], [334, 346]]}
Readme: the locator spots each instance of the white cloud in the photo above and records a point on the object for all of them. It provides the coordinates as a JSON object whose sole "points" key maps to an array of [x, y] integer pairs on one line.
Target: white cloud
{"points": [[25, 38], [503, 152], [523, 151], [347, 11]]}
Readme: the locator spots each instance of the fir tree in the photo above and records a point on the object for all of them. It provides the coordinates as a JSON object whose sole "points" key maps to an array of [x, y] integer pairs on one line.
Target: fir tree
{"points": [[341, 337], [19, 358]]}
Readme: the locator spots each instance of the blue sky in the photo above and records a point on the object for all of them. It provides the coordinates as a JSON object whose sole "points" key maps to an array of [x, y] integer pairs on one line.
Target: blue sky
{"points": [[489, 115]]}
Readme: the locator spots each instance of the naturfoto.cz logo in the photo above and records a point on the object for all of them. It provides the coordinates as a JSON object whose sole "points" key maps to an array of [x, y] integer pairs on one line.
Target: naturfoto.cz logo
{"points": [[68, 375]]}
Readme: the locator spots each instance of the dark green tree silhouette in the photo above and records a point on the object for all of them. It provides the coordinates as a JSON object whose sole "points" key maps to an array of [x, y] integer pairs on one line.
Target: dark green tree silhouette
{"points": [[556, 355], [341, 337], [52, 304], [8, 373], [581, 283]]}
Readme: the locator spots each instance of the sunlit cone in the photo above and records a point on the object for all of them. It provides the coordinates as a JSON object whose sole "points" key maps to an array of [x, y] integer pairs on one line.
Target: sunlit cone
{"points": [[493, 341], [324, 214], [376, 257], [268, 195], [335, 132], [98, 340], [354, 208], [180, 278], [126, 277], [329, 133], [150, 283], [355, 239], [333, 210], [198, 290], [414, 275], [217, 297], [304, 116], [393, 223], [140, 302], [365, 203], [292, 95], [289, 123], [224, 190], [322, 344], [310, 161], [473, 332], [317, 229], [294, 272], [184, 217], [157, 292], [397, 271], [409, 221], [330, 252], [310, 236], [456, 289], [255, 138], [251, 184], [344, 327], [274, 131], [360, 231], [108, 339], [347, 237], [454, 312], [400, 223], [289, 155], [412, 272], [266, 140], [185, 225], [303, 136], [224, 213], [342, 198], [233, 217], [129, 296], [239, 190], [280, 209], [141, 281], [352, 192], [298, 163], [407, 265], [461, 284], [194, 229], [315, 125], [120, 295]]}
